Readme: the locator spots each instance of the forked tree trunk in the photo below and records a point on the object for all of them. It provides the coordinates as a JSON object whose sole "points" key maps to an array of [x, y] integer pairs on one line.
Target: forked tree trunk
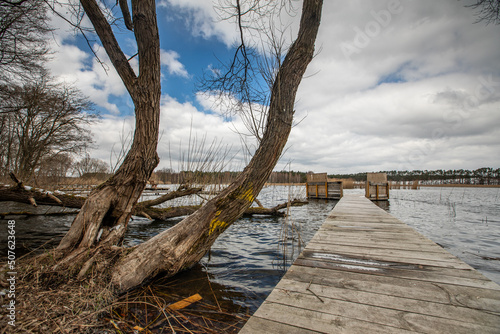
{"points": [[104, 217], [183, 245]]}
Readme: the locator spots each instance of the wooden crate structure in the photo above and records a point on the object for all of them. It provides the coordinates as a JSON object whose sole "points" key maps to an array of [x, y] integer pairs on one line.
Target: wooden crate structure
{"points": [[377, 187], [318, 186]]}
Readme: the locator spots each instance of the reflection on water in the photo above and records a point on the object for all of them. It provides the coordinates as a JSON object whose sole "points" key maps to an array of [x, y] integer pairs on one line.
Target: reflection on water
{"points": [[383, 205], [35, 231], [248, 260]]}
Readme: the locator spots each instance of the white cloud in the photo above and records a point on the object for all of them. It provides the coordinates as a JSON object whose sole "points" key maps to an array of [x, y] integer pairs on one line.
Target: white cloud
{"points": [[421, 90], [69, 63], [201, 18], [216, 19], [174, 66], [98, 81], [414, 96], [182, 124]]}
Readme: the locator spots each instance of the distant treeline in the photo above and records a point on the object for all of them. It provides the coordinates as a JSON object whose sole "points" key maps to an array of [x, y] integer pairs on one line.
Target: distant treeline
{"points": [[440, 176], [487, 176], [167, 175]]}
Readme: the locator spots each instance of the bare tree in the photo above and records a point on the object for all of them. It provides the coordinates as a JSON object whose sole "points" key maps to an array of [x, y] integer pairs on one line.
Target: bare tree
{"points": [[186, 243], [487, 11], [23, 30], [104, 217], [90, 165], [55, 167], [41, 119]]}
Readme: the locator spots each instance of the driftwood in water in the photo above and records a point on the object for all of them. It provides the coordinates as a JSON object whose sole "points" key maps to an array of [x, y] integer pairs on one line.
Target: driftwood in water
{"points": [[172, 212], [28, 195]]}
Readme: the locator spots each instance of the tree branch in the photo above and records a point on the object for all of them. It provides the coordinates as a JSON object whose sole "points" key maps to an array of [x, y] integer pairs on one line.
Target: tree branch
{"points": [[169, 196], [110, 44], [126, 14]]}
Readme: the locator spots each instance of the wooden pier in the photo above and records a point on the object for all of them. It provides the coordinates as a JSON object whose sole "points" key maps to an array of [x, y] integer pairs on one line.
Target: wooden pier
{"points": [[365, 271]]}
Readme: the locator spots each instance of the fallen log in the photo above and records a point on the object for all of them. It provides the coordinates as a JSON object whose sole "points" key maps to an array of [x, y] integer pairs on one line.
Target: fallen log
{"points": [[23, 194], [178, 211], [27, 195], [274, 211], [33, 214]]}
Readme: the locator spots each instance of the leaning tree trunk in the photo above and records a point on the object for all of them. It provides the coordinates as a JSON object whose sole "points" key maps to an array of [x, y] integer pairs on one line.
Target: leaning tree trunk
{"points": [[104, 217], [183, 245]]}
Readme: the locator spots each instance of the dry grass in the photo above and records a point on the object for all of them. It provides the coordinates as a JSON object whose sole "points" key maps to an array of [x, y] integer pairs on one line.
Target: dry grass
{"points": [[147, 310], [49, 301], [56, 302]]}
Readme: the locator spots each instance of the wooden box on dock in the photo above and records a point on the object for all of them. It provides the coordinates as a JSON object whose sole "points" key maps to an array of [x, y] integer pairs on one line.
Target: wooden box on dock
{"points": [[319, 186], [377, 187]]}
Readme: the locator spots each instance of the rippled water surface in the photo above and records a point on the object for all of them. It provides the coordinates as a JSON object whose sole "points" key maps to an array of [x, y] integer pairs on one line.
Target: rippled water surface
{"points": [[248, 260], [465, 221]]}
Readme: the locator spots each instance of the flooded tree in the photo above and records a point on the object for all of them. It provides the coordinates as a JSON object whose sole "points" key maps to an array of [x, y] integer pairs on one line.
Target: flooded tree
{"points": [[102, 221]]}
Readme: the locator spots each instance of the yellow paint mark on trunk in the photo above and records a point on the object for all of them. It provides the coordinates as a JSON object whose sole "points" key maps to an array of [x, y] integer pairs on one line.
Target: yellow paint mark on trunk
{"points": [[216, 223], [247, 195]]}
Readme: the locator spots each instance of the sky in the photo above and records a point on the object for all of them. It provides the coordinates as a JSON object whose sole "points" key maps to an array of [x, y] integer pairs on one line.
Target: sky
{"points": [[394, 85]]}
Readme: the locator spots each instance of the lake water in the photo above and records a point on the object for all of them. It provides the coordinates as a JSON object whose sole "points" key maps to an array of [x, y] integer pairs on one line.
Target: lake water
{"points": [[465, 221], [248, 260]]}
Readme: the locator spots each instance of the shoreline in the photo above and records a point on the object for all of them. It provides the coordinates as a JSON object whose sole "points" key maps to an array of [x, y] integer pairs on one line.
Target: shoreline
{"points": [[457, 185]]}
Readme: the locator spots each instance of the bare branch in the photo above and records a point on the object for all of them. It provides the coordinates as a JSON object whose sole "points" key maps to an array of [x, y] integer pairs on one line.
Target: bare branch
{"points": [[110, 44], [23, 33], [487, 11], [44, 122]]}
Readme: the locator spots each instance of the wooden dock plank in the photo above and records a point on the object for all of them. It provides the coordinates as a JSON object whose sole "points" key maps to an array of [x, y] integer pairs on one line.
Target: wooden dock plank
{"points": [[317, 321], [390, 302], [366, 272], [382, 316], [474, 298]]}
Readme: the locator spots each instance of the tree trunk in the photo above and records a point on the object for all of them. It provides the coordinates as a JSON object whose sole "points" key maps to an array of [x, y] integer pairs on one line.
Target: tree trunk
{"points": [[183, 245], [104, 217]]}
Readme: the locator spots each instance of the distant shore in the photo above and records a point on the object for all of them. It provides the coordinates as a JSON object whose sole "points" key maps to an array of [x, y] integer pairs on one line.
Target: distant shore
{"points": [[456, 185], [462, 185]]}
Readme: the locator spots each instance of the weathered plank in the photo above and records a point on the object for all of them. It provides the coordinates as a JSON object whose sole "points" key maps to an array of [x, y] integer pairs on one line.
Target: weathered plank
{"points": [[402, 319], [436, 309], [473, 298], [366, 272]]}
